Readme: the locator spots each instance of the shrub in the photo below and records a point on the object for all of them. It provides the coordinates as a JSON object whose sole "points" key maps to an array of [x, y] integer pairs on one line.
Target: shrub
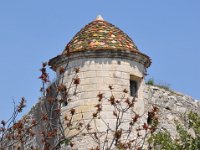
{"points": [[185, 139], [150, 81]]}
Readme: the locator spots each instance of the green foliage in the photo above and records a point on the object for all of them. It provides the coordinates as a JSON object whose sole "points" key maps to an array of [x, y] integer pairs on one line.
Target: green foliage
{"points": [[163, 86], [162, 141], [194, 122], [150, 81], [185, 141]]}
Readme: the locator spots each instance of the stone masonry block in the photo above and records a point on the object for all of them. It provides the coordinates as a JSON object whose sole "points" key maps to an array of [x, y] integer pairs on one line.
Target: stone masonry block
{"points": [[92, 80], [83, 109], [117, 74], [115, 81], [89, 74], [89, 87], [125, 75], [89, 94], [101, 73], [102, 87], [92, 101], [92, 67]]}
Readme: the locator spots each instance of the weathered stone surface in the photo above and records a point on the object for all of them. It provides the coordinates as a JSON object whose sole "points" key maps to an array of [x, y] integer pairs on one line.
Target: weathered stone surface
{"points": [[172, 106]]}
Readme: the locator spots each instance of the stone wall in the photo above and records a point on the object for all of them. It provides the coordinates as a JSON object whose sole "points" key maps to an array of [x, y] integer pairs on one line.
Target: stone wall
{"points": [[172, 106], [35, 115]]}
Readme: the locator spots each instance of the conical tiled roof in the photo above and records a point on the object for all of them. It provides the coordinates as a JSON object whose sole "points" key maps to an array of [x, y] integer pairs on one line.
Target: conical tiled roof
{"points": [[99, 35]]}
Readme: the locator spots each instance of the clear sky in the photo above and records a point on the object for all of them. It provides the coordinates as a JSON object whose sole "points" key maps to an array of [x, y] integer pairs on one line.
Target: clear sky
{"points": [[35, 31]]}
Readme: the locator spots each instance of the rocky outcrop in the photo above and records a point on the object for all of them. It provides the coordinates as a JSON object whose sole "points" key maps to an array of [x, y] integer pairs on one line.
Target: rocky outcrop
{"points": [[172, 106]]}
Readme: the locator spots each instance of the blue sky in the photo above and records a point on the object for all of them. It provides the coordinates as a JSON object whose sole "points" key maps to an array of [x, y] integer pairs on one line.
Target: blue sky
{"points": [[35, 31]]}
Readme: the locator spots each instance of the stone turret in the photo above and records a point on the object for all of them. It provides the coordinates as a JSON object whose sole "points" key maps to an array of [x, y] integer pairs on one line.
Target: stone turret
{"points": [[106, 56]]}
